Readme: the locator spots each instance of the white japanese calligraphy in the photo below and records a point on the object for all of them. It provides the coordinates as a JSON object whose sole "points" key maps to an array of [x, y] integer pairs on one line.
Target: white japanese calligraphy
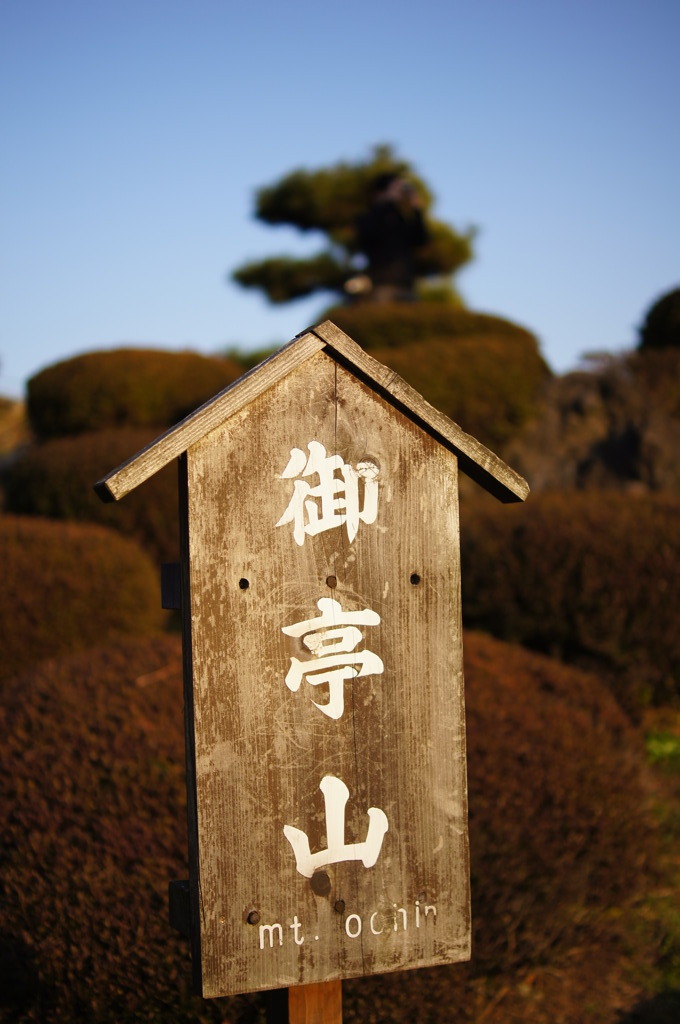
{"points": [[332, 638], [336, 795], [335, 499]]}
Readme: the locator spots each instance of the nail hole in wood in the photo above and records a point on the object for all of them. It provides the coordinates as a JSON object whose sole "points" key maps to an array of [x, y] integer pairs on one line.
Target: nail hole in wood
{"points": [[415, 579], [253, 917], [339, 906], [321, 883], [244, 583], [332, 581]]}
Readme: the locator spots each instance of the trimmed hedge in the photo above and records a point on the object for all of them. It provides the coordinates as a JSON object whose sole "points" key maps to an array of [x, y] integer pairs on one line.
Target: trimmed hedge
{"points": [[613, 426], [656, 374], [93, 796], [14, 430], [483, 372], [488, 385], [559, 819], [68, 586], [591, 578], [124, 387], [92, 793], [56, 479], [393, 325]]}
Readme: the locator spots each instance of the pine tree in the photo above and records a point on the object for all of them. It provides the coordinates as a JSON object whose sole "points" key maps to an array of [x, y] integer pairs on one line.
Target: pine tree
{"points": [[330, 200]]}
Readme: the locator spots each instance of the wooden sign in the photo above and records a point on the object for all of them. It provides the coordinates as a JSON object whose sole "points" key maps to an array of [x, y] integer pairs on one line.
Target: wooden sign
{"points": [[323, 669]]}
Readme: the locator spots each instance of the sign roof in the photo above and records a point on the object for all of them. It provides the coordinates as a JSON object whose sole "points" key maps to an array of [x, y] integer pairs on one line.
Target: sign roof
{"points": [[477, 461]]}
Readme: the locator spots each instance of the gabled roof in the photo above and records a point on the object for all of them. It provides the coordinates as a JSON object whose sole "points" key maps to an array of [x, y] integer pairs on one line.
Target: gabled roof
{"points": [[474, 458]]}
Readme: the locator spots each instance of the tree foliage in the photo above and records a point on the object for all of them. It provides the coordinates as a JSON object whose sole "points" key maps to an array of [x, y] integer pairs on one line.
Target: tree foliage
{"points": [[330, 200], [661, 326]]}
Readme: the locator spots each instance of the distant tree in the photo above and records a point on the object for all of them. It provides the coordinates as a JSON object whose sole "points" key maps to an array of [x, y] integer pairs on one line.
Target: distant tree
{"points": [[661, 326], [330, 200]]}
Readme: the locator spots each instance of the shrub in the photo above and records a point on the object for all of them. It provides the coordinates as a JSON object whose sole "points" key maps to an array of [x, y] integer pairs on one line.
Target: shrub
{"points": [[123, 387], [656, 374], [385, 325], [613, 426], [486, 384], [483, 372], [14, 430], [591, 578], [56, 479], [92, 793], [661, 326], [558, 818], [93, 796], [68, 586], [560, 844]]}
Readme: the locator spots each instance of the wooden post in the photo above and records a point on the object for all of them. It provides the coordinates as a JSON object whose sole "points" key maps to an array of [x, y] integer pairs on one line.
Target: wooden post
{"points": [[305, 1004], [315, 1004]]}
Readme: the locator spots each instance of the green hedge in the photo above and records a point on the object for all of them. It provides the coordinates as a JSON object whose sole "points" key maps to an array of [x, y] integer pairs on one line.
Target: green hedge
{"points": [[56, 479], [592, 578], [66, 586], [123, 387], [92, 794]]}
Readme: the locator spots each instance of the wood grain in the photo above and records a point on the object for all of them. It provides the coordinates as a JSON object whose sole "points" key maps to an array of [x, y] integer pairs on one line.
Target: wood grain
{"points": [[315, 1004], [257, 751]]}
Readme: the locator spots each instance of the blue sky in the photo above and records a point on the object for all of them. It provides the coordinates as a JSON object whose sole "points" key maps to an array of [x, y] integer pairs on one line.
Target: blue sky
{"points": [[134, 134]]}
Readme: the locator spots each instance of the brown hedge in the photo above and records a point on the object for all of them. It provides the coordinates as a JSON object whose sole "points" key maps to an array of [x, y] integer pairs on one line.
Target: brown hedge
{"points": [[393, 325], [123, 387], [560, 843], [488, 385], [559, 816], [93, 805], [656, 374], [92, 797], [68, 586], [56, 478], [592, 578], [615, 425], [483, 372]]}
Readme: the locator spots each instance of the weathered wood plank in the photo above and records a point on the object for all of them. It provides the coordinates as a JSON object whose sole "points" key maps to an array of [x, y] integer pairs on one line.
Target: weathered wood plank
{"points": [[171, 444], [189, 728], [259, 748], [315, 1004]]}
